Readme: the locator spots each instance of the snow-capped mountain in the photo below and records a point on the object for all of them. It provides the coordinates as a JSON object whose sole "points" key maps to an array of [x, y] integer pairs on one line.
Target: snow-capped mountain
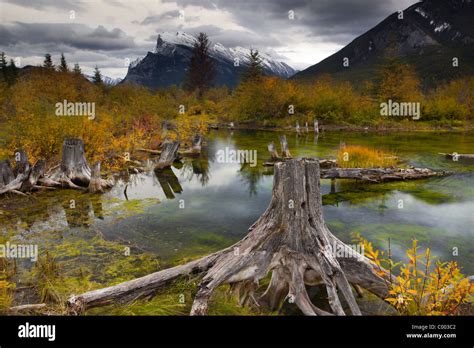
{"points": [[109, 81], [428, 35], [167, 64]]}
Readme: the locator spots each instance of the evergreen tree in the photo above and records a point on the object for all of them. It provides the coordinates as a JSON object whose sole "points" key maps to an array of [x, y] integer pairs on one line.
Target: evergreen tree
{"points": [[97, 79], [10, 72], [77, 69], [254, 70], [3, 65], [201, 71], [48, 62], [63, 67]]}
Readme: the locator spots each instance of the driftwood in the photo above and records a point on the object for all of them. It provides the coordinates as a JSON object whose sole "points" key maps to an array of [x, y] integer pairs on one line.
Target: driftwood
{"points": [[28, 307], [455, 156], [380, 174], [169, 154], [290, 240], [73, 172]]}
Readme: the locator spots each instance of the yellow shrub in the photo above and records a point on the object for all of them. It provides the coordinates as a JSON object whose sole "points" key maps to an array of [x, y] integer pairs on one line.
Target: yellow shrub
{"points": [[419, 288]]}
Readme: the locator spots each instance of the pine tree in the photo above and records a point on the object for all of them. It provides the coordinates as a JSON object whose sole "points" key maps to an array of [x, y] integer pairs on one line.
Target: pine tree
{"points": [[48, 62], [254, 70], [63, 67], [11, 72], [3, 65], [97, 79], [77, 69], [201, 71]]}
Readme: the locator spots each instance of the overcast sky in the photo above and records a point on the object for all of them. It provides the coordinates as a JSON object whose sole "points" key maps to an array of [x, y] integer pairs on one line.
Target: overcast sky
{"points": [[110, 33]]}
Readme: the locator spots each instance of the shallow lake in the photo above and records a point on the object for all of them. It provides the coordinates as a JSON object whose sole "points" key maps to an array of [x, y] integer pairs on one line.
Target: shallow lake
{"points": [[204, 205]]}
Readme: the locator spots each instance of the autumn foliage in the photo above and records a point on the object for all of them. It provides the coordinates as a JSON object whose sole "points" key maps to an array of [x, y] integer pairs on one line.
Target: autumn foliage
{"points": [[424, 285]]}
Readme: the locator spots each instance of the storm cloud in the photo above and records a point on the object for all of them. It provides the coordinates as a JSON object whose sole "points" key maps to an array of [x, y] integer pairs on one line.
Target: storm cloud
{"points": [[109, 32]]}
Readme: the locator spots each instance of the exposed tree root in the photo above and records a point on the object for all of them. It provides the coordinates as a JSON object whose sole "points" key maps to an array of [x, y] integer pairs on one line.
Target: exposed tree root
{"points": [[290, 240]]}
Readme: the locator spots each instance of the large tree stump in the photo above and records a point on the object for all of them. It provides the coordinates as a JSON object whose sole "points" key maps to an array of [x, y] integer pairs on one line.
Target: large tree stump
{"points": [[290, 240], [169, 154], [73, 172]]}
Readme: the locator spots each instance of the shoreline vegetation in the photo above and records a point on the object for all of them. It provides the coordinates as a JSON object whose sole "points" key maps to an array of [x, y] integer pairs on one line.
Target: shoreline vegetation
{"points": [[126, 116]]}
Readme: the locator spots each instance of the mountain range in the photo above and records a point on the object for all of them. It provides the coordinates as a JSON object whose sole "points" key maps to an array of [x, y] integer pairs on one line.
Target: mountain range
{"points": [[429, 36], [168, 63]]}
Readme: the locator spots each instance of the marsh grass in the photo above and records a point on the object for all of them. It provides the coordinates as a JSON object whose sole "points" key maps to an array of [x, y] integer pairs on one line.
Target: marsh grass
{"points": [[356, 156]]}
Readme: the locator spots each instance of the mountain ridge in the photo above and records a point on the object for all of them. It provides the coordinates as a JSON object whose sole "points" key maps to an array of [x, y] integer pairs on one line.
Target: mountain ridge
{"points": [[168, 63], [429, 36]]}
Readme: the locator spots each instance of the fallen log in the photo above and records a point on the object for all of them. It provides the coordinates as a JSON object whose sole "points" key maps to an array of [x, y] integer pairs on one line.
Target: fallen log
{"points": [[380, 174], [455, 156], [169, 154], [290, 240]]}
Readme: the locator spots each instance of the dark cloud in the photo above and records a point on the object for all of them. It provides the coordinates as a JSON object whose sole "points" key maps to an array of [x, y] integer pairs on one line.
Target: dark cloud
{"points": [[74, 35], [166, 17], [336, 20], [115, 32], [44, 4]]}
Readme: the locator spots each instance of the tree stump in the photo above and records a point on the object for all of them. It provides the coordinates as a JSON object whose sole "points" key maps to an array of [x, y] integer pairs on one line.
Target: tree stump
{"points": [[73, 172], [6, 173], [273, 152], [285, 151], [21, 159], [96, 183], [290, 240], [196, 143], [169, 154]]}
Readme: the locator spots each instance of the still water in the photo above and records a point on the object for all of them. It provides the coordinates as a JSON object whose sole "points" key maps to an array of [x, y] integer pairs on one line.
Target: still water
{"points": [[203, 205]]}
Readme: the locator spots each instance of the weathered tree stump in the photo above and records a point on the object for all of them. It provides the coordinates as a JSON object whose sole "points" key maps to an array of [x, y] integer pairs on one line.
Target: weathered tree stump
{"points": [[273, 152], [96, 183], [196, 144], [6, 173], [24, 182], [21, 162], [169, 154], [285, 151], [290, 240], [73, 172]]}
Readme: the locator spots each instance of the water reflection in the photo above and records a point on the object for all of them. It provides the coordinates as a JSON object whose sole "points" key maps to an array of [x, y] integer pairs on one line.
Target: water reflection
{"points": [[224, 199]]}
